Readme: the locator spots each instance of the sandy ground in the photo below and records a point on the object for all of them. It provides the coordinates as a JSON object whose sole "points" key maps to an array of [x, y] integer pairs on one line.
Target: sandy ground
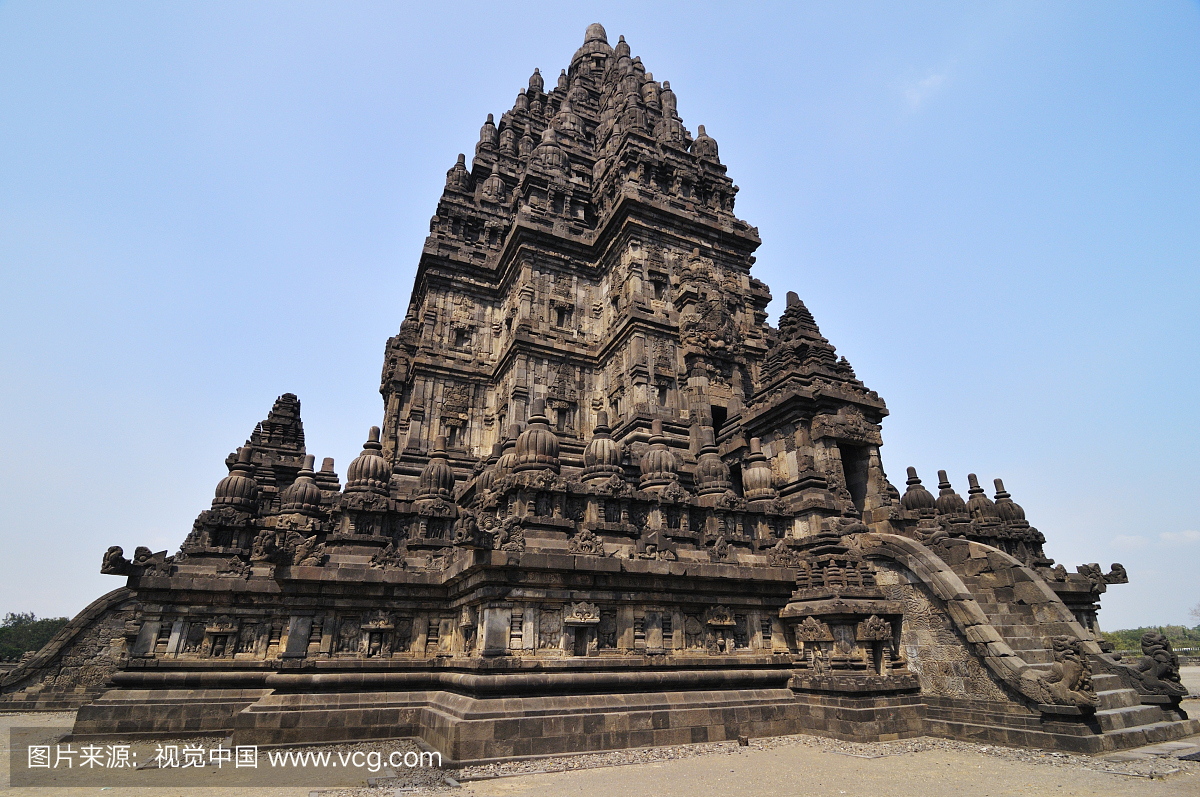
{"points": [[793, 765], [788, 771], [1191, 679]]}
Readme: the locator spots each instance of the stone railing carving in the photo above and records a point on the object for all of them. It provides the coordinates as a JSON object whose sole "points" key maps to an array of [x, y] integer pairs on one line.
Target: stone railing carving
{"points": [[1068, 683]]}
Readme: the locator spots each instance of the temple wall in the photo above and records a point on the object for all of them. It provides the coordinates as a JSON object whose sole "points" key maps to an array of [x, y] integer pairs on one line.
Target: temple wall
{"points": [[939, 655]]}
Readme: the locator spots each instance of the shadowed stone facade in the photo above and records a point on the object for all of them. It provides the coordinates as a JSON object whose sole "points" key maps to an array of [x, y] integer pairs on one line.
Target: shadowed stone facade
{"points": [[608, 505]]}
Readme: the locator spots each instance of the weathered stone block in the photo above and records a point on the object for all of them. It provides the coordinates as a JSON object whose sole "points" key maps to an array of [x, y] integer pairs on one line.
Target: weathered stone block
{"points": [[1028, 593], [966, 613], [982, 634]]}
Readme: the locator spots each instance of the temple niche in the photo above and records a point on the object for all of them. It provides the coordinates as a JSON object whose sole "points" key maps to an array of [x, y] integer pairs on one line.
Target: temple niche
{"points": [[604, 486]]}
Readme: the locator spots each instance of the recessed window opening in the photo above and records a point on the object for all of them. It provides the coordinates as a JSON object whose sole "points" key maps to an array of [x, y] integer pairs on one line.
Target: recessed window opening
{"points": [[719, 415], [735, 476], [854, 466]]}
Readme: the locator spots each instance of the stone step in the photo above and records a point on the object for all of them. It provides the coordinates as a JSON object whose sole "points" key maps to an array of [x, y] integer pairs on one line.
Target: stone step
{"points": [[1035, 655], [1117, 698], [1011, 621], [1115, 719], [1017, 628], [1010, 618], [1153, 733], [1019, 642], [1026, 626], [1104, 682]]}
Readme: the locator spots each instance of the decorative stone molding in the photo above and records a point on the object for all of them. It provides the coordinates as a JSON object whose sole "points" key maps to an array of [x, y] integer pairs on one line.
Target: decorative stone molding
{"points": [[582, 613]]}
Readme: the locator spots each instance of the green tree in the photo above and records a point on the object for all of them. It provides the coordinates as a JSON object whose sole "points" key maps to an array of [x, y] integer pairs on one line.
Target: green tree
{"points": [[23, 631], [1130, 639]]}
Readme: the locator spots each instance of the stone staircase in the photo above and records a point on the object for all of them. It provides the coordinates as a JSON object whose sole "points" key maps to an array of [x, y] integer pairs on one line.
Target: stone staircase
{"points": [[1122, 720], [1017, 623], [1121, 714]]}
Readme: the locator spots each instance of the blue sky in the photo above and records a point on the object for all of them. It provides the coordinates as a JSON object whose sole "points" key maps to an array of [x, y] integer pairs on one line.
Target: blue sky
{"points": [[993, 210]]}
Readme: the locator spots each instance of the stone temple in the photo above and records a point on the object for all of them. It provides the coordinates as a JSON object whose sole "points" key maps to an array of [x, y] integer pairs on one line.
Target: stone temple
{"points": [[608, 505]]}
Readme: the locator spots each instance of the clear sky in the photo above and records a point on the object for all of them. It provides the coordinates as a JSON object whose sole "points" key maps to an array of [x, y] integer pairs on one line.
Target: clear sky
{"points": [[993, 210]]}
